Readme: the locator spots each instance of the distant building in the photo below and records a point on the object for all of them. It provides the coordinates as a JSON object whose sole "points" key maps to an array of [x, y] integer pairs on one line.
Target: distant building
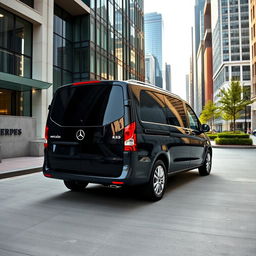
{"points": [[200, 89], [191, 73], [187, 88], [198, 59], [253, 60], [153, 25], [168, 77], [231, 52], [150, 69], [208, 81], [199, 22]]}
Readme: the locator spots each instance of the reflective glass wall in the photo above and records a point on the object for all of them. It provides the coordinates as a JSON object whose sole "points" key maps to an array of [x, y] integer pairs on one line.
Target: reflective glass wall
{"points": [[107, 44], [71, 48], [62, 48], [15, 45], [117, 40]]}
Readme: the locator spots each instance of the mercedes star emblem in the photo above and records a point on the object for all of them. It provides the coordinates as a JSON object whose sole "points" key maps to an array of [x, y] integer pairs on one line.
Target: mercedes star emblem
{"points": [[80, 134]]}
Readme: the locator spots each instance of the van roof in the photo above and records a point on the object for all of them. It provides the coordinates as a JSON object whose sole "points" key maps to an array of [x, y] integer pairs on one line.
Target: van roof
{"points": [[130, 82], [147, 85]]}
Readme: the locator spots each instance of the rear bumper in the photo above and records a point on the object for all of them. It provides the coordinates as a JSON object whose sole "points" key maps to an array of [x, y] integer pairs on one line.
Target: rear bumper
{"points": [[132, 173], [127, 177]]}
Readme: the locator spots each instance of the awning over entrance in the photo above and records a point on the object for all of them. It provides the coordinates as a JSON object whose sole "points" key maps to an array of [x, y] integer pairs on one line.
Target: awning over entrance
{"points": [[17, 83]]}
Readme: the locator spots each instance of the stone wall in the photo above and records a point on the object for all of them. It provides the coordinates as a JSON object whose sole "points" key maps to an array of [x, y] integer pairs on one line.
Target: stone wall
{"points": [[16, 132]]}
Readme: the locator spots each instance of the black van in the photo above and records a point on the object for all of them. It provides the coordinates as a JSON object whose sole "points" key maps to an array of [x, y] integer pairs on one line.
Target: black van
{"points": [[122, 133]]}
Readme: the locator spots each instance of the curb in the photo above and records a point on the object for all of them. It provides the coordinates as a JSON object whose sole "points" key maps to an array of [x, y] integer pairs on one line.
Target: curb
{"points": [[234, 146], [19, 172]]}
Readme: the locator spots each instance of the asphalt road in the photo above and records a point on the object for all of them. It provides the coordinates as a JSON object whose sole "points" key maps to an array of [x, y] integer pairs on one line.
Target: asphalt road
{"points": [[214, 215]]}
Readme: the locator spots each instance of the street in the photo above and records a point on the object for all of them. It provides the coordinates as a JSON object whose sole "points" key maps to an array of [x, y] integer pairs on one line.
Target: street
{"points": [[214, 215]]}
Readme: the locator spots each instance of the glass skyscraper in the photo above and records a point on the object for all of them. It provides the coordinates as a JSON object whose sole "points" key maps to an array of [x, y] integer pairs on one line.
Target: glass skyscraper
{"points": [[199, 22], [154, 42]]}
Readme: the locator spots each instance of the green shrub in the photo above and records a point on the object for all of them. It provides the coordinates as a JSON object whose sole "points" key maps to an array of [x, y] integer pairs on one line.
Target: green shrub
{"points": [[233, 141], [230, 135], [232, 132], [212, 136]]}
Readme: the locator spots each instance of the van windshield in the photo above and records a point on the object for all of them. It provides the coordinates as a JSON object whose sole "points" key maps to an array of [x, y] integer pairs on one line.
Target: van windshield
{"points": [[87, 105]]}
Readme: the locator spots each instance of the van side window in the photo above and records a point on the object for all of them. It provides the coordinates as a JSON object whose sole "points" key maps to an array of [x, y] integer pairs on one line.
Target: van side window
{"points": [[152, 107], [175, 111], [193, 120]]}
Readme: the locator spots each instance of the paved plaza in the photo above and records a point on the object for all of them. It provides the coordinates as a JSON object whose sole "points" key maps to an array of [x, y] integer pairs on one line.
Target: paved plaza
{"points": [[214, 215]]}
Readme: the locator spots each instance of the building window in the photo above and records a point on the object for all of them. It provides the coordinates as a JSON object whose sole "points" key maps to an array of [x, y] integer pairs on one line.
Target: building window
{"points": [[235, 73], [246, 73], [15, 103], [15, 45], [226, 73]]}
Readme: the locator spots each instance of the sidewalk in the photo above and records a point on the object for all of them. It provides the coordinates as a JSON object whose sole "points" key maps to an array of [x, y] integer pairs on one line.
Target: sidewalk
{"points": [[11, 167]]}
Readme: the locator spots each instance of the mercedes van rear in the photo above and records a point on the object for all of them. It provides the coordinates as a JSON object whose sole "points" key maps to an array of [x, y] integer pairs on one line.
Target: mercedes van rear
{"points": [[122, 133]]}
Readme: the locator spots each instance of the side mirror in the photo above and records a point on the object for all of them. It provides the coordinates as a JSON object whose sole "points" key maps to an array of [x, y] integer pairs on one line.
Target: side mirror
{"points": [[205, 128]]}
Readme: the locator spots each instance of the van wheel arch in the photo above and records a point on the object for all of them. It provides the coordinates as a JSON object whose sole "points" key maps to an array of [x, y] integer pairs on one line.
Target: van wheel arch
{"points": [[165, 160]]}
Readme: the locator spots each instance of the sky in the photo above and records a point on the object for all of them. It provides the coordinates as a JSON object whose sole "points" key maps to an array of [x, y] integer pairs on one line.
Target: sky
{"points": [[178, 17]]}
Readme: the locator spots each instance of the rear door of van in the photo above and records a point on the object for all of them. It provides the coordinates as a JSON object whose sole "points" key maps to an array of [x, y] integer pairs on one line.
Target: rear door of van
{"points": [[86, 129]]}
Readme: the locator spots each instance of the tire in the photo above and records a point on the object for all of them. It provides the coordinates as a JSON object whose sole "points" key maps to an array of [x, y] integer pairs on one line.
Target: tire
{"points": [[75, 185], [154, 190], [205, 169]]}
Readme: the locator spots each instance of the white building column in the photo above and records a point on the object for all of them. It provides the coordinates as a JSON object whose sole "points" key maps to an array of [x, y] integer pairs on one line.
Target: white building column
{"points": [[42, 63]]}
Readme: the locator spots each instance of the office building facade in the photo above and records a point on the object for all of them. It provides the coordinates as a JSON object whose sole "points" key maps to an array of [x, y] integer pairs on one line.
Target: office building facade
{"points": [[153, 24], [253, 60], [45, 44], [168, 77], [150, 69], [231, 51]]}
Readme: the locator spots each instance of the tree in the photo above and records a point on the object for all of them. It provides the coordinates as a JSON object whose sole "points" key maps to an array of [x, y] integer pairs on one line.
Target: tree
{"points": [[232, 102], [210, 113]]}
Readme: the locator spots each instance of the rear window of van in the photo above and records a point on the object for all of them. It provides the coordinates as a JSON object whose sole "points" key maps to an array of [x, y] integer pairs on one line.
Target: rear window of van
{"points": [[87, 105]]}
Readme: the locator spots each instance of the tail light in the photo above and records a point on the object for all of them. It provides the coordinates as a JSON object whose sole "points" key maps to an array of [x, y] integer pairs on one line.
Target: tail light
{"points": [[48, 175], [117, 182], [46, 136], [130, 138]]}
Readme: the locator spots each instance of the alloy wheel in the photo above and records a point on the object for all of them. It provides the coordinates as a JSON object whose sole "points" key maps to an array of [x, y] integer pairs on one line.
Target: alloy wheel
{"points": [[159, 180], [208, 162]]}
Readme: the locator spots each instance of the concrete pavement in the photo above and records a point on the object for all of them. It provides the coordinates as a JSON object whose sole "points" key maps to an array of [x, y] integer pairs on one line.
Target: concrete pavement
{"points": [[213, 215]]}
